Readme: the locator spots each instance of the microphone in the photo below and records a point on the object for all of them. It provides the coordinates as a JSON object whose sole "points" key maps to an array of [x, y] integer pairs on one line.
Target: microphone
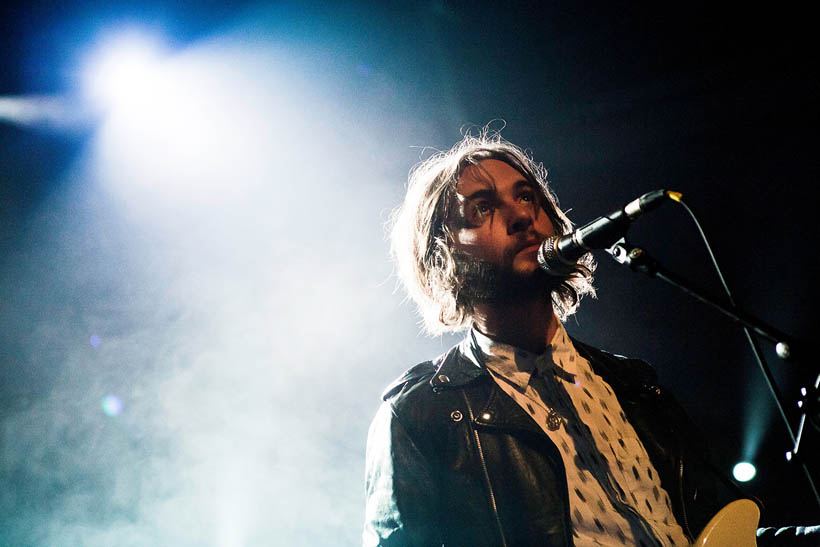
{"points": [[558, 254]]}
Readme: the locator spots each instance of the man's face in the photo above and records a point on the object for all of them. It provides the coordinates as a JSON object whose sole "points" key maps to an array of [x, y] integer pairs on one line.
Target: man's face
{"points": [[497, 218]]}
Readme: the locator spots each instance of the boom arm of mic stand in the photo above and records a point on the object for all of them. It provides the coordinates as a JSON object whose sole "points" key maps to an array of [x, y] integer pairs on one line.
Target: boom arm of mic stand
{"points": [[640, 261]]}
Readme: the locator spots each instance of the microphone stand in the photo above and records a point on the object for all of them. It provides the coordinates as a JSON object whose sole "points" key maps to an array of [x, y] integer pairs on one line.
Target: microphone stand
{"points": [[787, 348]]}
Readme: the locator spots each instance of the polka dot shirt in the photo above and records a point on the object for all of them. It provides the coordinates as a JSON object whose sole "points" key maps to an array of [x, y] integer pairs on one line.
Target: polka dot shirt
{"points": [[614, 491]]}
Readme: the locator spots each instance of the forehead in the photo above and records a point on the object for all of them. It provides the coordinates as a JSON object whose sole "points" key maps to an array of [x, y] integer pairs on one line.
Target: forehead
{"points": [[488, 174]]}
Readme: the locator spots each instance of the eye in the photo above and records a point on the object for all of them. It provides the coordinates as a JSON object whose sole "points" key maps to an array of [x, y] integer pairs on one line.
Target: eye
{"points": [[528, 196], [478, 211]]}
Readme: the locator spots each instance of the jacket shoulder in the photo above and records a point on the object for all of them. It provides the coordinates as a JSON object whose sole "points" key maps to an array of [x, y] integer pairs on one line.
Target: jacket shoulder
{"points": [[409, 378], [629, 370], [421, 374]]}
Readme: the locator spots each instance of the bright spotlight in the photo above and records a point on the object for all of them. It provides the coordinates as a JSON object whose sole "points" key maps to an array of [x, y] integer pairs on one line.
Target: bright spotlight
{"points": [[744, 472], [125, 72], [202, 126]]}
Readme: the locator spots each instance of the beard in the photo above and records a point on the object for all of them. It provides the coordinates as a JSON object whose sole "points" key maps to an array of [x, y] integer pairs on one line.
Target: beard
{"points": [[482, 281]]}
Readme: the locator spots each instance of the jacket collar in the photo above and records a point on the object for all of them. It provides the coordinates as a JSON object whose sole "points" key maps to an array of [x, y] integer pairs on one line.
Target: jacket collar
{"points": [[459, 366], [464, 363]]}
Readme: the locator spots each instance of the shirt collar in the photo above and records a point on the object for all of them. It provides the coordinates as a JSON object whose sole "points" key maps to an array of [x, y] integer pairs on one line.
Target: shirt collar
{"points": [[517, 365]]}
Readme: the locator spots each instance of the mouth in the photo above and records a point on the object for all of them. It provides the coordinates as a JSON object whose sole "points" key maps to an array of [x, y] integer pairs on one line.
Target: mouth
{"points": [[529, 247]]}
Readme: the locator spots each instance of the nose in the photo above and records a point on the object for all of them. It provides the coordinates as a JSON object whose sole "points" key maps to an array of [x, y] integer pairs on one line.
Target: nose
{"points": [[520, 219]]}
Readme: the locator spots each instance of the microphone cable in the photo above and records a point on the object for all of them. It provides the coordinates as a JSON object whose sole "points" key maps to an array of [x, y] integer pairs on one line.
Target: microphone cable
{"points": [[761, 362]]}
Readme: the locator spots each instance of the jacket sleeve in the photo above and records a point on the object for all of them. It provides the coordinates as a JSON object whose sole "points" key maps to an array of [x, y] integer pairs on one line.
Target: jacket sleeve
{"points": [[400, 490], [721, 488], [791, 536]]}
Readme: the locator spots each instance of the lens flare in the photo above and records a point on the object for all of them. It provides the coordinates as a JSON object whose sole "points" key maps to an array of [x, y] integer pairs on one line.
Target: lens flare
{"points": [[112, 405]]}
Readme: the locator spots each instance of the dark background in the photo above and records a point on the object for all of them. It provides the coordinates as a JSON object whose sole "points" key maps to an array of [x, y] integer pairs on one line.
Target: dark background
{"points": [[615, 99]]}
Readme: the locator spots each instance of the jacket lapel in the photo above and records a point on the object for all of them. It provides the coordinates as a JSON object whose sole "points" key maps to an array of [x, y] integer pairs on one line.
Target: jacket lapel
{"points": [[497, 410]]}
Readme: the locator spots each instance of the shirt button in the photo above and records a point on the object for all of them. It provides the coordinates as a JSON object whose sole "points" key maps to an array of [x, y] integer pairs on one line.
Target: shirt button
{"points": [[486, 416], [456, 415], [443, 378]]}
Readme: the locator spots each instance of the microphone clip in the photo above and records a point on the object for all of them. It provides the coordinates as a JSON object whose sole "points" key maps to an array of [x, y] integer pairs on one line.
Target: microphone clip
{"points": [[635, 257]]}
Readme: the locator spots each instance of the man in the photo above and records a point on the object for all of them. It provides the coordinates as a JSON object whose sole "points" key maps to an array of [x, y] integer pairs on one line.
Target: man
{"points": [[519, 435]]}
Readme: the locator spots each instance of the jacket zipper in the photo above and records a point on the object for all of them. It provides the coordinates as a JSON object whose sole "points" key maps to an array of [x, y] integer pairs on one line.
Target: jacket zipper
{"points": [[486, 473]]}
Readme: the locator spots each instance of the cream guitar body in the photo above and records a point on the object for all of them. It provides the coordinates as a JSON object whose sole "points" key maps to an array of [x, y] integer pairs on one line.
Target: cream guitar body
{"points": [[734, 526]]}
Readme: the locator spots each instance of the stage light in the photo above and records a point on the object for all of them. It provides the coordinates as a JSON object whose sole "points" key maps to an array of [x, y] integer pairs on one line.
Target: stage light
{"points": [[204, 126], [744, 472], [125, 72]]}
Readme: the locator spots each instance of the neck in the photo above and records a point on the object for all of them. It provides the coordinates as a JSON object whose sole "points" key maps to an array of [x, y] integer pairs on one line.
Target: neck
{"points": [[529, 323]]}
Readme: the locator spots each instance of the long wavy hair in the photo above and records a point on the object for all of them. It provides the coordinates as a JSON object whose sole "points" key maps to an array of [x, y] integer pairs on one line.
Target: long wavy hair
{"points": [[422, 244]]}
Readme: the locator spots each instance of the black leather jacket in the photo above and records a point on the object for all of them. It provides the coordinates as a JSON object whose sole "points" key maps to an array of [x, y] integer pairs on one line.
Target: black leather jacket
{"points": [[452, 460]]}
